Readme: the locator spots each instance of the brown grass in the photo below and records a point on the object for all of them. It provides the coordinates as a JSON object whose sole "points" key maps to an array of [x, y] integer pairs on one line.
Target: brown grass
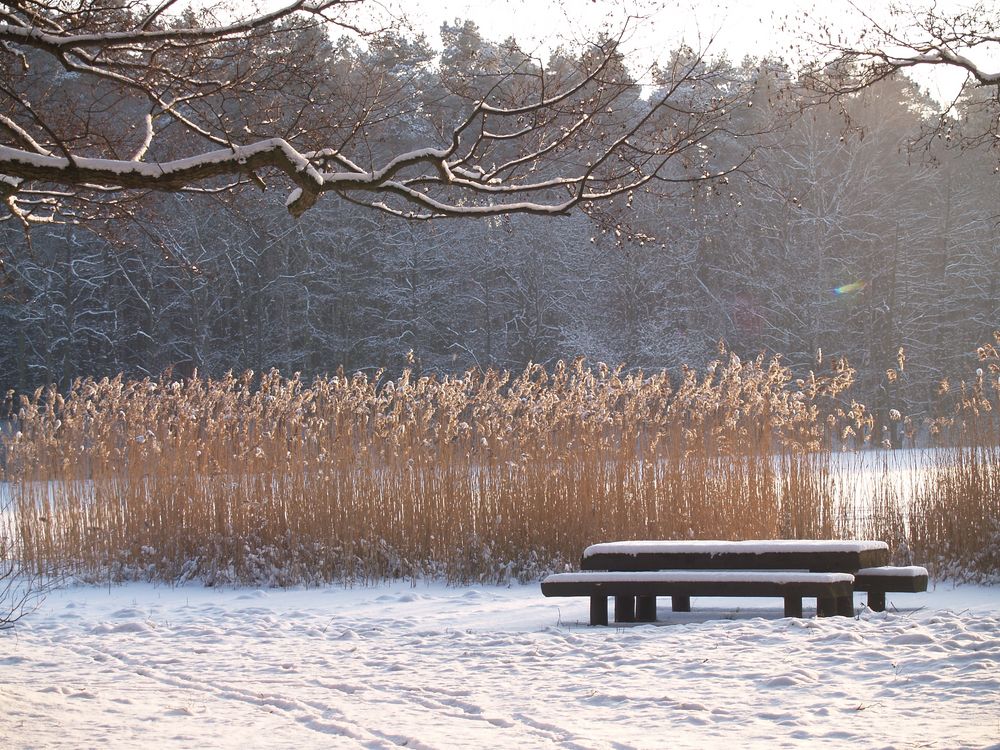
{"points": [[482, 477]]}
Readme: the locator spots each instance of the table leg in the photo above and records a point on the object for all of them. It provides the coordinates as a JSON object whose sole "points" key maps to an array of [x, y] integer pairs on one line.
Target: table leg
{"points": [[680, 603], [645, 609], [826, 606], [845, 606], [598, 610], [876, 601], [624, 609], [793, 606]]}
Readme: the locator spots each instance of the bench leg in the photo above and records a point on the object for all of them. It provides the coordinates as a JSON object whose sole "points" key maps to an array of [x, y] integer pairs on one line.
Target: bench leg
{"points": [[645, 609], [826, 606], [845, 606], [876, 601], [830, 606], [624, 609], [680, 603], [793, 606], [598, 610]]}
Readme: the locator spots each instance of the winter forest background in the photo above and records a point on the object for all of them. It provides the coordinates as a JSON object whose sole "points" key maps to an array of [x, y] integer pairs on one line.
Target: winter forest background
{"points": [[855, 228]]}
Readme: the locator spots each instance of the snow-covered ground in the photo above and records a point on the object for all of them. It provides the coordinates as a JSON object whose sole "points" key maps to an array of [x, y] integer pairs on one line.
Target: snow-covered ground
{"points": [[437, 667]]}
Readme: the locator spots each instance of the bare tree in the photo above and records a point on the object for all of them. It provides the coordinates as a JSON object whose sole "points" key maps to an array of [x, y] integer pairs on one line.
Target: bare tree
{"points": [[22, 585], [903, 37], [20, 590], [102, 100]]}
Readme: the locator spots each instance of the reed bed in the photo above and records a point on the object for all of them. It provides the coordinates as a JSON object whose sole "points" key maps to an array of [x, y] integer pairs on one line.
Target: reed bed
{"points": [[954, 519], [479, 477]]}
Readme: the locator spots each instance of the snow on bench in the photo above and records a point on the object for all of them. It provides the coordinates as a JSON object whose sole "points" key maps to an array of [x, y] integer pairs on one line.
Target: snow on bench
{"points": [[891, 572], [878, 580], [635, 592], [839, 556], [749, 546]]}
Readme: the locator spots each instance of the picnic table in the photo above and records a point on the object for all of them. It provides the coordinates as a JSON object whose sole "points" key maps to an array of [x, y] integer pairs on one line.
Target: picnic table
{"points": [[636, 572], [818, 556]]}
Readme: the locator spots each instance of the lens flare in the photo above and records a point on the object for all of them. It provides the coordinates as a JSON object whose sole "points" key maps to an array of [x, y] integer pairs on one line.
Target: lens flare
{"points": [[855, 286]]}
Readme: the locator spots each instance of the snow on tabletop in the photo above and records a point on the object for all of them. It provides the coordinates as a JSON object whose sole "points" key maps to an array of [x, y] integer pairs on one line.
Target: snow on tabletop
{"points": [[717, 547], [906, 571], [700, 576]]}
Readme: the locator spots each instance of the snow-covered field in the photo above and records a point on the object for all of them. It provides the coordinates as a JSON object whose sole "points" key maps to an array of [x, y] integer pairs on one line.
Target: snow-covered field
{"points": [[436, 667]]}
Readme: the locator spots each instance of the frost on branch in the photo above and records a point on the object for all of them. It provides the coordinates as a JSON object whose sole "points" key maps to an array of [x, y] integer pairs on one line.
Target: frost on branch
{"points": [[100, 104]]}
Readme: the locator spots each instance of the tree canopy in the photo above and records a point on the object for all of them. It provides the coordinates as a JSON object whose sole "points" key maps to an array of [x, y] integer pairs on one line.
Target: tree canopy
{"points": [[822, 233]]}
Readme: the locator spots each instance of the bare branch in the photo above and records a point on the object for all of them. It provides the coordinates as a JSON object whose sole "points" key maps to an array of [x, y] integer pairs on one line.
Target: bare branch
{"points": [[908, 39], [133, 96]]}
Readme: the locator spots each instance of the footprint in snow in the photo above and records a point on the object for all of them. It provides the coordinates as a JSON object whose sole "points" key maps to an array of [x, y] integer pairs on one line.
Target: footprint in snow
{"points": [[782, 682], [777, 717], [255, 611], [911, 639], [129, 612], [981, 664], [133, 627], [258, 594]]}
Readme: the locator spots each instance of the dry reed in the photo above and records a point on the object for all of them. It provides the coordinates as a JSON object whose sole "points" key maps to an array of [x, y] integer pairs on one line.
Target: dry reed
{"points": [[483, 477], [954, 519]]}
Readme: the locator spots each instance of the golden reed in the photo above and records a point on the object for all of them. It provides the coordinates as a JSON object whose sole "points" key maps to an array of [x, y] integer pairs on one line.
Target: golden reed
{"points": [[482, 477]]}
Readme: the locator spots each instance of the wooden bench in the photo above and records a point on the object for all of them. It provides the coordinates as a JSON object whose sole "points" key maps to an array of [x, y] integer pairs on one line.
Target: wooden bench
{"points": [[878, 580], [635, 592]]}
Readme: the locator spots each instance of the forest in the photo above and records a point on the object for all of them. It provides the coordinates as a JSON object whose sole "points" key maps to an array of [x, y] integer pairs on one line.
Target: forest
{"points": [[828, 227], [290, 300]]}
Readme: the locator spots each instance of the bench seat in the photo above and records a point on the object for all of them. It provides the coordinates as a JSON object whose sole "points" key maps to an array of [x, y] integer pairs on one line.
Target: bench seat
{"points": [[635, 592], [876, 581]]}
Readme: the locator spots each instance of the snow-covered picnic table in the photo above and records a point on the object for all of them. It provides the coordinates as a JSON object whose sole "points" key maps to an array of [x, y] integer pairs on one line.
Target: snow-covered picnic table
{"points": [[819, 556], [636, 572]]}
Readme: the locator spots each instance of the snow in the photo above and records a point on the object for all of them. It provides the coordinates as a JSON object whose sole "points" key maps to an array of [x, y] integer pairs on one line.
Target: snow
{"points": [[904, 571], [437, 667], [700, 576], [155, 170], [293, 196], [715, 547]]}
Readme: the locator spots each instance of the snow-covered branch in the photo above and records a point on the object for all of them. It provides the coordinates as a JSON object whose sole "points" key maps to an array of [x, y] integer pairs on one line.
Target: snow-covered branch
{"points": [[904, 37], [136, 100], [900, 38]]}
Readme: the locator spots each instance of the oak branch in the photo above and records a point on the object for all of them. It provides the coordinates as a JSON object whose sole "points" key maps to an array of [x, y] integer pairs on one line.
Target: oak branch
{"points": [[99, 103], [904, 36]]}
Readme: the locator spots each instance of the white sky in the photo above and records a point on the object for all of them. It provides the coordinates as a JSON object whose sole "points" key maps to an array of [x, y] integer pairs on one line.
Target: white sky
{"points": [[736, 28]]}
